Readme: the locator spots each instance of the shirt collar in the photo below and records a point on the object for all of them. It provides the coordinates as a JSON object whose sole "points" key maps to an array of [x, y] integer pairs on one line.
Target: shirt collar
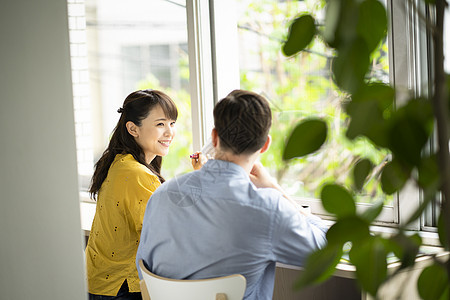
{"points": [[224, 167]]}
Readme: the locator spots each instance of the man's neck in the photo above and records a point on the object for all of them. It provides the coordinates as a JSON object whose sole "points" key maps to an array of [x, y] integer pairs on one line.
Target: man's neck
{"points": [[246, 161]]}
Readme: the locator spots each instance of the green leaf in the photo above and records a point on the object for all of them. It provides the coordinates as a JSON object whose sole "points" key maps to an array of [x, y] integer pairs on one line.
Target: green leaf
{"points": [[337, 200], [409, 130], [366, 120], [373, 211], [340, 22], [319, 266], [433, 283], [406, 140], [429, 177], [351, 65], [381, 93], [307, 137], [369, 258], [406, 248], [368, 109], [372, 23], [301, 33], [360, 172], [352, 228], [394, 177], [332, 19]]}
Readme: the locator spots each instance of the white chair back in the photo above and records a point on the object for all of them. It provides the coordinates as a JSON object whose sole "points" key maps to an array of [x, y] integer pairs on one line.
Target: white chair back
{"points": [[222, 288]]}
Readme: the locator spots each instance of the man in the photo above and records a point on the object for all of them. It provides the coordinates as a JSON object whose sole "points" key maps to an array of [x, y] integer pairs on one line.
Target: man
{"points": [[229, 216]]}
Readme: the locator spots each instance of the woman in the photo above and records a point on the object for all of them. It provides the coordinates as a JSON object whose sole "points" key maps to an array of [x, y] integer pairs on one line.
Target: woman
{"points": [[124, 179]]}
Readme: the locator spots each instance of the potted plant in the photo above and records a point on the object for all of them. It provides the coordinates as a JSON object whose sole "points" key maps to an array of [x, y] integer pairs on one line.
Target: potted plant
{"points": [[354, 30]]}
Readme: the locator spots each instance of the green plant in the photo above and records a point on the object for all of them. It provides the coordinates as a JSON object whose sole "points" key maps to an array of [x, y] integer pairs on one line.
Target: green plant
{"points": [[299, 87], [354, 29]]}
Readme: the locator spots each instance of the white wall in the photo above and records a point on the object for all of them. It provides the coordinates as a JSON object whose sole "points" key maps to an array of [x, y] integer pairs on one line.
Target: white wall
{"points": [[41, 252]]}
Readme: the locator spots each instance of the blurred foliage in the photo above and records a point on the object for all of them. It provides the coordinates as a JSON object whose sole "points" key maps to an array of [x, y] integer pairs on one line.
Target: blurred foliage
{"points": [[301, 87], [353, 32]]}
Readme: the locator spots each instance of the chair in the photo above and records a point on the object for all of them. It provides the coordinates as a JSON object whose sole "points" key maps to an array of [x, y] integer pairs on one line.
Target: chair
{"points": [[154, 287]]}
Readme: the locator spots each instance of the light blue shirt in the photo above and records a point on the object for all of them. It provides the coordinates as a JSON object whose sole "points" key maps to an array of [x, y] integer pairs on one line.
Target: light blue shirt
{"points": [[214, 222]]}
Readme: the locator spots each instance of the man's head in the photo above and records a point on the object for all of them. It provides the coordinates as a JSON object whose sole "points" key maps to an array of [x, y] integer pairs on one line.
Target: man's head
{"points": [[242, 121]]}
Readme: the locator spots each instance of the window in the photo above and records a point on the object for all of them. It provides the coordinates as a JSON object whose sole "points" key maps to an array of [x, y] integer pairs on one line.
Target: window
{"points": [[298, 88], [118, 47], [212, 47], [301, 87]]}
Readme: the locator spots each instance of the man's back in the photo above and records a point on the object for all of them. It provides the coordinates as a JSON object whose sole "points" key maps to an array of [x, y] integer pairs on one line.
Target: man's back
{"points": [[214, 222]]}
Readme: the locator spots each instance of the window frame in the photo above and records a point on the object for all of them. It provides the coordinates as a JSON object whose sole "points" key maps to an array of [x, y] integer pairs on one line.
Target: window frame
{"points": [[200, 70]]}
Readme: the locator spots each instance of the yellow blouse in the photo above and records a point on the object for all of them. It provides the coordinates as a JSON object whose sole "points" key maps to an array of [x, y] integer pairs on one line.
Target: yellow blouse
{"points": [[117, 225]]}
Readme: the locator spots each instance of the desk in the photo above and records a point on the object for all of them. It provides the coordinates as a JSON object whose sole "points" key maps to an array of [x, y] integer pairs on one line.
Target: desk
{"points": [[340, 286], [335, 288]]}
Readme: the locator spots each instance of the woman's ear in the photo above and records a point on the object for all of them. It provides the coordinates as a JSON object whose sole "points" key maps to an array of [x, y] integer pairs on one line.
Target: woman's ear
{"points": [[266, 144], [132, 129]]}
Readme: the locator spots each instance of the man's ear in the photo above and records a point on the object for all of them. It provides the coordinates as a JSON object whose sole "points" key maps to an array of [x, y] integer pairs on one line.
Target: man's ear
{"points": [[132, 129], [266, 144], [214, 137]]}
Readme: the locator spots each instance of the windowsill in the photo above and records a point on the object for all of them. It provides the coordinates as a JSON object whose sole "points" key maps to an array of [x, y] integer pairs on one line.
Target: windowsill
{"points": [[347, 270], [380, 227], [343, 269], [88, 206]]}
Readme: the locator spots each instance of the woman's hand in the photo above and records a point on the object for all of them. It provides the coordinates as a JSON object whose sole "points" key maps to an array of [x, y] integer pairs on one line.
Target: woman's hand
{"points": [[198, 160]]}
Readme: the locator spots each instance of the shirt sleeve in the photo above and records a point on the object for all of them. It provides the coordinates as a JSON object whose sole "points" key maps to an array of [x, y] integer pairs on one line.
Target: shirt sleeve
{"points": [[139, 189], [295, 235]]}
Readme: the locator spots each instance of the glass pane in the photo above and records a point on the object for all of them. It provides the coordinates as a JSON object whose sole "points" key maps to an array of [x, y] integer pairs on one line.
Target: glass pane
{"points": [[131, 45], [298, 88]]}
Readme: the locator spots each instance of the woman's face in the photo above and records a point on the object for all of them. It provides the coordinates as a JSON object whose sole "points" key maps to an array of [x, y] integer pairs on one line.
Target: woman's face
{"points": [[155, 134]]}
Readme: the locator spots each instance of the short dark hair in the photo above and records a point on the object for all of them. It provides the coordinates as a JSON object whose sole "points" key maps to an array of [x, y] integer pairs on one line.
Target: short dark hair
{"points": [[242, 120]]}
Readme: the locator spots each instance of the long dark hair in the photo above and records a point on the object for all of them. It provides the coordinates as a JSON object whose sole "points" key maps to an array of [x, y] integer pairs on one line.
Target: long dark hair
{"points": [[136, 107]]}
